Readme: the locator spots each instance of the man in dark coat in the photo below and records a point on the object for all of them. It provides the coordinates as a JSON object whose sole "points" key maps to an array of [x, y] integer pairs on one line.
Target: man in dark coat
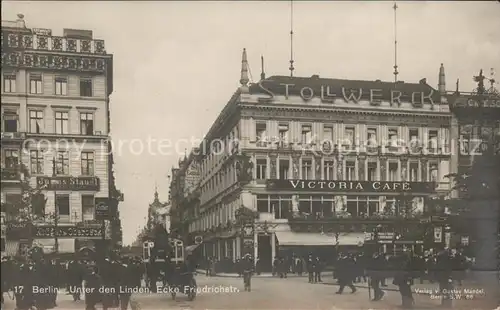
{"points": [[75, 278], [317, 270], [129, 280], [346, 274], [403, 279], [248, 269], [93, 282], [376, 270], [310, 265], [444, 270]]}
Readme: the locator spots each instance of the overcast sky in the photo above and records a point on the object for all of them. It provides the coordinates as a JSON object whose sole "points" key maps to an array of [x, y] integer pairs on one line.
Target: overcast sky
{"points": [[176, 64]]}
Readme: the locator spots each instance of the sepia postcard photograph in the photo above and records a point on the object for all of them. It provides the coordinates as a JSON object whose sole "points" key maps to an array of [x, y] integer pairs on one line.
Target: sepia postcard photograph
{"points": [[240, 155]]}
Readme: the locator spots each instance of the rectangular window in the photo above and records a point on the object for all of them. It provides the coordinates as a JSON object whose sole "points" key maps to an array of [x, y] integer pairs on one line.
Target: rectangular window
{"points": [[433, 141], [10, 121], [284, 169], [328, 134], [261, 169], [62, 123], [413, 134], [413, 172], [36, 83], [373, 205], [88, 208], [87, 123], [36, 158], [36, 121], [62, 205], [372, 171], [392, 137], [350, 170], [61, 85], [11, 159], [393, 172], [434, 172], [328, 138], [328, 170], [261, 133], [371, 137], [283, 133], [86, 87], [87, 163], [262, 203], [307, 169], [9, 83], [62, 163], [349, 134], [306, 134]]}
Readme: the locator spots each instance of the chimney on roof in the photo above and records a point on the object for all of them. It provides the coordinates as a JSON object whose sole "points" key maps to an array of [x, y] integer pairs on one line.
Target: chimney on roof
{"points": [[423, 81], [442, 81], [20, 21]]}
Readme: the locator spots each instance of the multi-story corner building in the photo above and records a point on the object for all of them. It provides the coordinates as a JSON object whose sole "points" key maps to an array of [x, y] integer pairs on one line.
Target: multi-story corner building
{"points": [[332, 159], [55, 128], [476, 133], [185, 194]]}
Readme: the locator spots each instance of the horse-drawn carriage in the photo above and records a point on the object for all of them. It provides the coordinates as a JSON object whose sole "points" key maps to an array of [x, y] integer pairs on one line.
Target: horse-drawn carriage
{"points": [[171, 266]]}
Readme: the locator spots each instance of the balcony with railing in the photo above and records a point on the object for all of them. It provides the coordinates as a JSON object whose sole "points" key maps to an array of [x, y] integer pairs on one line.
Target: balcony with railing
{"points": [[43, 42]]}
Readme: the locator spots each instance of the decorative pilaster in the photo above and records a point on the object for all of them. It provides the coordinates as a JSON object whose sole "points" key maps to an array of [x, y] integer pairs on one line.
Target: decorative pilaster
{"points": [[423, 167], [273, 157], [317, 167], [361, 167], [404, 169], [296, 166], [383, 168], [340, 166]]}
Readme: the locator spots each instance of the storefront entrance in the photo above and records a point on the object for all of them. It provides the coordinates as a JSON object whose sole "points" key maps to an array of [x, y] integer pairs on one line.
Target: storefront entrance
{"points": [[265, 252]]}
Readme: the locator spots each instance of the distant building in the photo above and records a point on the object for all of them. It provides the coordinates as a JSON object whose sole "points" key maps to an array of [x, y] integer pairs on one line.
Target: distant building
{"points": [[55, 103], [158, 213]]}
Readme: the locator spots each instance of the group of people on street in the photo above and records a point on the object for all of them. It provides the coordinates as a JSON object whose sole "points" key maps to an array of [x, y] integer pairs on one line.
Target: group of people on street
{"points": [[445, 267], [36, 281]]}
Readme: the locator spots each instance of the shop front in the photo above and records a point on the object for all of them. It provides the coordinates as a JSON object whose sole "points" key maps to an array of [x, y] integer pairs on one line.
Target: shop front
{"points": [[329, 216]]}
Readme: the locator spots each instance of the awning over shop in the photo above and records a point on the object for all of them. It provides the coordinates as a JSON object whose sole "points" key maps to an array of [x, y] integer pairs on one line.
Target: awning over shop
{"points": [[191, 248], [64, 245], [352, 239], [290, 238]]}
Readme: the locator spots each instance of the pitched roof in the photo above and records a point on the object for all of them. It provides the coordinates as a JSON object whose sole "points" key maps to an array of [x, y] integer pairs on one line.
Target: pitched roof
{"points": [[274, 84]]}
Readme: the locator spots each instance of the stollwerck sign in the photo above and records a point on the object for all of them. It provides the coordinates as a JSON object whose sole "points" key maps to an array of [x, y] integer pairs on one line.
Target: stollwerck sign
{"points": [[329, 93]]}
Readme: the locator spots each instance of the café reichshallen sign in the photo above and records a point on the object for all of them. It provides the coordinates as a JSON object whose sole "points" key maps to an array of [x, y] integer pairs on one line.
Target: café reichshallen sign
{"points": [[84, 183], [350, 186]]}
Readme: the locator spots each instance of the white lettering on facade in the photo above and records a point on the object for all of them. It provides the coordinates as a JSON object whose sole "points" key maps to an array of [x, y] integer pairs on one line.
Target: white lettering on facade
{"points": [[352, 95], [327, 97], [306, 93], [348, 185], [429, 96], [396, 99], [287, 89], [267, 91], [415, 99], [373, 100]]}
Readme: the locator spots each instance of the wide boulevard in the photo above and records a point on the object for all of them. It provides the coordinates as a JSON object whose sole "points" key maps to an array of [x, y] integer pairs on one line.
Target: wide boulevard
{"points": [[275, 293]]}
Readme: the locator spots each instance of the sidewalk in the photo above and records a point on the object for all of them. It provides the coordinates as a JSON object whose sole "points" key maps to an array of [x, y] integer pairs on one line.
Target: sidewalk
{"points": [[262, 275]]}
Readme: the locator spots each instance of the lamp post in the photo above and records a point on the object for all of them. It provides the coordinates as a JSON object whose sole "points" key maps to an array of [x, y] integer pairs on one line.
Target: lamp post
{"points": [[56, 210]]}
